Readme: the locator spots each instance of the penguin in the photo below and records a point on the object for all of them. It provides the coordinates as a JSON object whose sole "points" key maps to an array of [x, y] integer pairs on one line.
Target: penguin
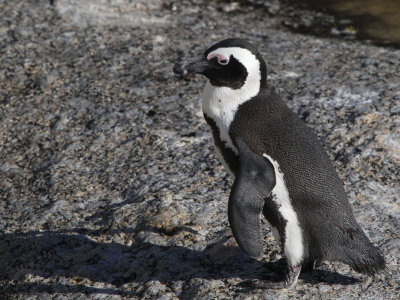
{"points": [[280, 169]]}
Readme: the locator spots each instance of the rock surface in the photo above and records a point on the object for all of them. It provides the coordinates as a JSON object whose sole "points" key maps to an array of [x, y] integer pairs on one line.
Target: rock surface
{"points": [[109, 184]]}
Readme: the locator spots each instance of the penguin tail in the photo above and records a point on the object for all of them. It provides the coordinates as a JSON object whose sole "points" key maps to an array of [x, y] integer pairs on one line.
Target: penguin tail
{"points": [[371, 263], [360, 254]]}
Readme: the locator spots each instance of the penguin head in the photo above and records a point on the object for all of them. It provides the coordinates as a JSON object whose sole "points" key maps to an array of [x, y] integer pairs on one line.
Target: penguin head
{"points": [[229, 63]]}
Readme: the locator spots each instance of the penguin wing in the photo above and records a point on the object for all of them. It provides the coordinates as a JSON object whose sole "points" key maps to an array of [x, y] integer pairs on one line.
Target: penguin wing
{"points": [[254, 181]]}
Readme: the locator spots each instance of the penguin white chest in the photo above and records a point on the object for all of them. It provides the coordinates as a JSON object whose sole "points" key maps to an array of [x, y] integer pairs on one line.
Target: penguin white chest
{"points": [[217, 106]]}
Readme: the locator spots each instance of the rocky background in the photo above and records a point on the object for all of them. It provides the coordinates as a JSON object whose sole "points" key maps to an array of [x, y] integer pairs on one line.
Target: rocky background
{"points": [[109, 184]]}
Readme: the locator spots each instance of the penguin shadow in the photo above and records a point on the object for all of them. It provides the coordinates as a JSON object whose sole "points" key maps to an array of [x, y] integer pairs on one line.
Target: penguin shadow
{"points": [[312, 274], [81, 254], [76, 256]]}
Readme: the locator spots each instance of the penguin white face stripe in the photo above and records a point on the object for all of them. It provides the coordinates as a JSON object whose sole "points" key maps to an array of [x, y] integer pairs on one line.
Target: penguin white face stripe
{"points": [[221, 103], [293, 247]]}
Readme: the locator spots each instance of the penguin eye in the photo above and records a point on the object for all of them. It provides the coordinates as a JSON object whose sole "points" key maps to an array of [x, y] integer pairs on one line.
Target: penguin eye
{"points": [[223, 61]]}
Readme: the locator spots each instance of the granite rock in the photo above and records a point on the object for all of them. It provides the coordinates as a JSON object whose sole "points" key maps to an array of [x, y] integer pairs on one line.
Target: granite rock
{"points": [[109, 184]]}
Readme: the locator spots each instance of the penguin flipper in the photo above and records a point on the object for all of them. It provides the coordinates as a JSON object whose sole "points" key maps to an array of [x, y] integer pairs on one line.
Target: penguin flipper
{"points": [[254, 181]]}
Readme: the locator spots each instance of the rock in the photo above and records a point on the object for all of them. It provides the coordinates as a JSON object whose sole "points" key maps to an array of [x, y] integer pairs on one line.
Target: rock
{"points": [[109, 183]]}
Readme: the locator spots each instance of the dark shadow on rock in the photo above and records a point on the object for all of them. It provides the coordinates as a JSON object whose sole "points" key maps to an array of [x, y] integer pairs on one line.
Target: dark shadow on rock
{"points": [[327, 277], [311, 274], [73, 255], [41, 288], [104, 215]]}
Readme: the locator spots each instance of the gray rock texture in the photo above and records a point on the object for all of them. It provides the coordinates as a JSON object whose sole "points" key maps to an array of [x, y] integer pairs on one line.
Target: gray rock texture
{"points": [[109, 184]]}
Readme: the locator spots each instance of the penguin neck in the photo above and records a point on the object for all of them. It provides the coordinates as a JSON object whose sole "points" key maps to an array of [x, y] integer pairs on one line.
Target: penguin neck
{"points": [[222, 103]]}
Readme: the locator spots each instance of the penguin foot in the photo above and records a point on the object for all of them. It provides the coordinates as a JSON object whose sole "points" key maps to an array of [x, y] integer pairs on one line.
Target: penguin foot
{"points": [[288, 283], [279, 266]]}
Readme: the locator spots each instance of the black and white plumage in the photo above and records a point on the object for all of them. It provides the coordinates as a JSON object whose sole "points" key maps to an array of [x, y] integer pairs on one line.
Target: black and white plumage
{"points": [[280, 168]]}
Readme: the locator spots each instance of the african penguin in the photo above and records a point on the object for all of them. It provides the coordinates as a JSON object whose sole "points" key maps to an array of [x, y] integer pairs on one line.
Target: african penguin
{"points": [[280, 169]]}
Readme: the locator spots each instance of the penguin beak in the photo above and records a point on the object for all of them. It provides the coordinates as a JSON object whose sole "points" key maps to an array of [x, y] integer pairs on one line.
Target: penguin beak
{"points": [[191, 67]]}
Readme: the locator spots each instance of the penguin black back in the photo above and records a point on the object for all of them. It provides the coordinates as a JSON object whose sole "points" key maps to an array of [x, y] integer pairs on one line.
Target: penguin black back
{"points": [[330, 231]]}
